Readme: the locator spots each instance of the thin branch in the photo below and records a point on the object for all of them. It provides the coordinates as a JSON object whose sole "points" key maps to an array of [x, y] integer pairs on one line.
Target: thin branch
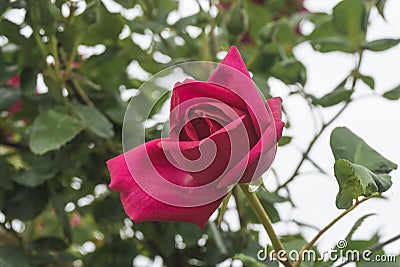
{"points": [[326, 228], [355, 75], [311, 145], [375, 248], [82, 93]]}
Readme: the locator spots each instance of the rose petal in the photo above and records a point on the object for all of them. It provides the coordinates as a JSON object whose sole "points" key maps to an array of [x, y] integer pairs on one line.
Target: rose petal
{"points": [[234, 60], [275, 105], [238, 80], [140, 206]]}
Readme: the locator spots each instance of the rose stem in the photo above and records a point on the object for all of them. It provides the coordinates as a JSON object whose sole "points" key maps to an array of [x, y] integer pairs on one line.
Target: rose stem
{"points": [[262, 216]]}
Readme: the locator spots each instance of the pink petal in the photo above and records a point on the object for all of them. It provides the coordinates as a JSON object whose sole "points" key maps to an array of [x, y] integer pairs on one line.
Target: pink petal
{"points": [[140, 206], [233, 59], [275, 105]]}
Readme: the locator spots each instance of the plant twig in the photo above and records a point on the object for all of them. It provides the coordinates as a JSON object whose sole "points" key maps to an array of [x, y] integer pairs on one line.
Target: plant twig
{"points": [[375, 248], [325, 125], [262, 216], [327, 227], [311, 145], [82, 93]]}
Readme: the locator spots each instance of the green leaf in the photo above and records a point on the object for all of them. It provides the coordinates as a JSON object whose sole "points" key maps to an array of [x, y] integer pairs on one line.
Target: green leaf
{"points": [[330, 44], [25, 203], [270, 197], [290, 71], [8, 97], [338, 95], [38, 170], [349, 19], [107, 25], [48, 243], [11, 31], [96, 121], [219, 241], [11, 257], [356, 225], [267, 200], [247, 260], [368, 80], [59, 205], [346, 145], [190, 233], [393, 94], [284, 140], [126, 3], [380, 5], [5, 174], [108, 209], [381, 45], [53, 129], [6, 71], [30, 178], [355, 181], [222, 209]]}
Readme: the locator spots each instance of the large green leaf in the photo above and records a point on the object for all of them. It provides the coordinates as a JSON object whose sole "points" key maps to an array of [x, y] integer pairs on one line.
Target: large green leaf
{"points": [[326, 38], [355, 181], [53, 129], [96, 121], [107, 25], [349, 19], [346, 145], [393, 94], [11, 257]]}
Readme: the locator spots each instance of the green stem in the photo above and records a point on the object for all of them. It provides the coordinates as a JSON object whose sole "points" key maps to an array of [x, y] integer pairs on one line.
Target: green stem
{"points": [[82, 93], [262, 216], [240, 209], [57, 67], [327, 227]]}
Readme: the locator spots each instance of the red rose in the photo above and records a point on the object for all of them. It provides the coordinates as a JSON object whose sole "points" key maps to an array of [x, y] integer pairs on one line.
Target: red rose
{"points": [[221, 133]]}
